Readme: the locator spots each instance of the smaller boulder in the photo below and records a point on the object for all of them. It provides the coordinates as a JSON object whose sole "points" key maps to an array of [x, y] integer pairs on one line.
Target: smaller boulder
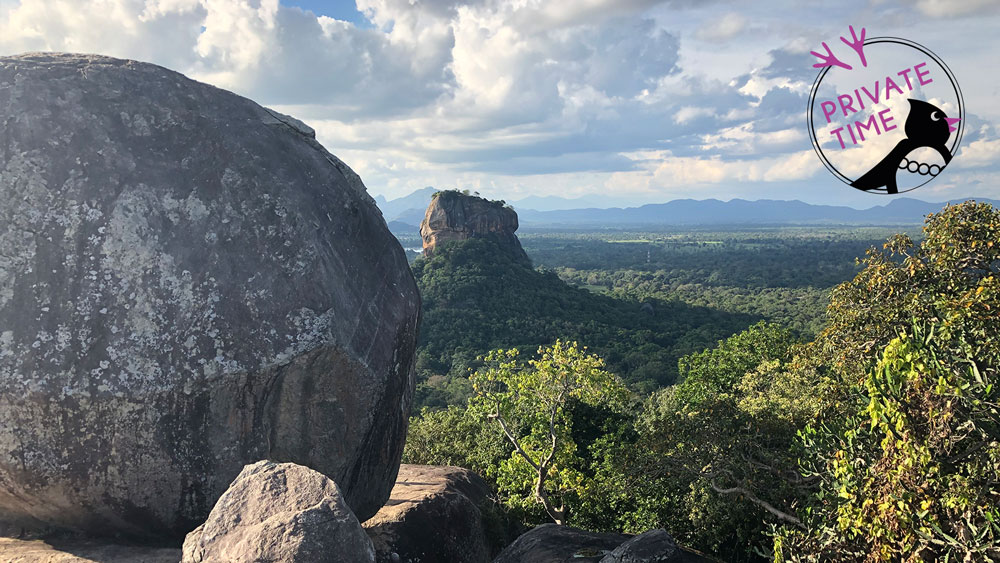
{"points": [[280, 512], [437, 514], [550, 543], [654, 546]]}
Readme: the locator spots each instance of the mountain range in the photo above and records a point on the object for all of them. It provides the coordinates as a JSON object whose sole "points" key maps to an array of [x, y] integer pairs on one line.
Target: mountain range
{"points": [[409, 210]]}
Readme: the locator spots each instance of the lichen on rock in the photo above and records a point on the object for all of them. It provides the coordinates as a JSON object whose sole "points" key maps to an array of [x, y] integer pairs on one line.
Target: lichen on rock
{"points": [[188, 282]]}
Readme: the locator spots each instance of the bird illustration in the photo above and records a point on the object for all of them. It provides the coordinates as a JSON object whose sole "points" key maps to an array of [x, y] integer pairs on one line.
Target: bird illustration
{"points": [[926, 126]]}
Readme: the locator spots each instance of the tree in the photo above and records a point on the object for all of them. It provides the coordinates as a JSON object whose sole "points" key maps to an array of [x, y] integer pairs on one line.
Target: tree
{"points": [[716, 445], [912, 474], [874, 441], [903, 282], [907, 452], [451, 437], [531, 404]]}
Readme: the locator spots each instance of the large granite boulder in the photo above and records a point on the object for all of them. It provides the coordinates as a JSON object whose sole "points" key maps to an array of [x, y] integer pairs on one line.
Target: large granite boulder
{"points": [[438, 514], [454, 216], [189, 282], [279, 513]]}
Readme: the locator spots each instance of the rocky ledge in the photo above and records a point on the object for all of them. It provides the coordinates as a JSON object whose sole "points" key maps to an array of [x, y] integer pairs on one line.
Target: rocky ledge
{"points": [[81, 550], [438, 514], [550, 543]]}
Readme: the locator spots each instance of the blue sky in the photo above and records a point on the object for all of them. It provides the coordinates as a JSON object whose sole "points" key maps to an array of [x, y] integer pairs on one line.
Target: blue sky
{"points": [[341, 10], [616, 101]]}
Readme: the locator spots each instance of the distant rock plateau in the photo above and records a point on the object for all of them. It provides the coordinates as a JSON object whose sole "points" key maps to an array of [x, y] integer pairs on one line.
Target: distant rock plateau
{"points": [[454, 216]]}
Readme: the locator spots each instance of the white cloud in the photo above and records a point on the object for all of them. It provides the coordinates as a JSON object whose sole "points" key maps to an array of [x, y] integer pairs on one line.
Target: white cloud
{"points": [[687, 113], [664, 170], [164, 31], [796, 166], [950, 8], [983, 152], [722, 29], [744, 140], [632, 97], [681, 171]]}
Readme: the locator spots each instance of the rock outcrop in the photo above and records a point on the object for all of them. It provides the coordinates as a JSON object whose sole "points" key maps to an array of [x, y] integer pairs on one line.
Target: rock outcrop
{"points": [[81, 550], [653, 546], [437, 514], [455, 216], [189, 282], [550, 543], [279, 513]]}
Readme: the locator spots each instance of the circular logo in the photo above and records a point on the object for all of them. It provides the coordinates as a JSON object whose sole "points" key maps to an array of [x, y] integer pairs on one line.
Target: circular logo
{"points": [[886, 114]]}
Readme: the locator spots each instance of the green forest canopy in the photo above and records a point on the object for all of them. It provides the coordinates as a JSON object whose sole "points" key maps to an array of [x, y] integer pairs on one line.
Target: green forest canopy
{"points": [[640, 300], [877, 439]]}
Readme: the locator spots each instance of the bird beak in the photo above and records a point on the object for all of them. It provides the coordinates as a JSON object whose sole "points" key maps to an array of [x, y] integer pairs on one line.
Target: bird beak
{"points": [[951, 123]]}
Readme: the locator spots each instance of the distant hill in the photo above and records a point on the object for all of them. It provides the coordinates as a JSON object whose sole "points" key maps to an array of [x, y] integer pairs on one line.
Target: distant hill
{"points": [[413, 216], [553, 203], [404, 208], [399, 227], [737, 212], [557, 211]]}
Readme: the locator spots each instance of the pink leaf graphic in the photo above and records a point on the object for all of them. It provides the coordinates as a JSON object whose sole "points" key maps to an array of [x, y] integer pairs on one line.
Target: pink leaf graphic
{"points": [[858, 44], [829, 59]]}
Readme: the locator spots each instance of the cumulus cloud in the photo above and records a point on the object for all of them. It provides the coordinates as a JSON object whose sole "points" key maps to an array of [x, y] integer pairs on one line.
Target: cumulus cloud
{"points": [[671, 171], [506, 96], [946, 8], [979, 153], [275, 54], [722, 29]]}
